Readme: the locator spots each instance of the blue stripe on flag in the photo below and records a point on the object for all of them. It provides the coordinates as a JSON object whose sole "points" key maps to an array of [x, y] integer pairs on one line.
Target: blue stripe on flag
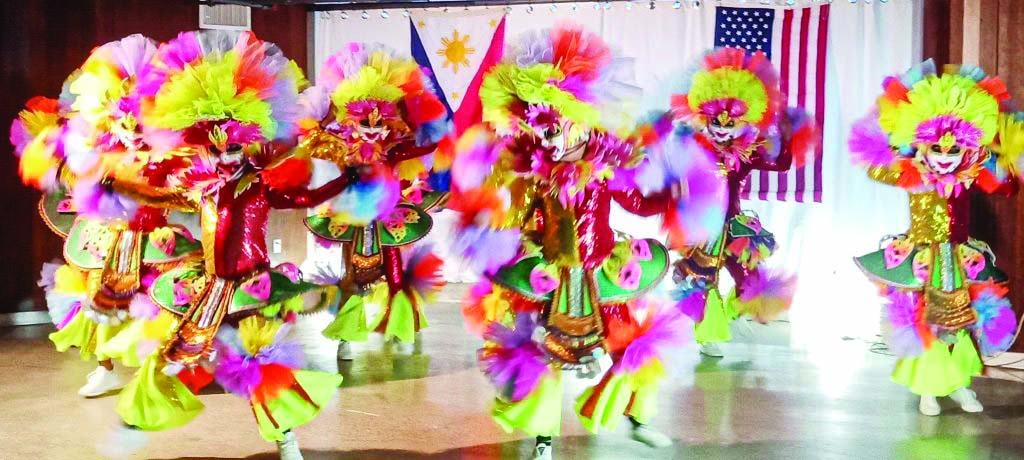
{"points": [[419, 54]]}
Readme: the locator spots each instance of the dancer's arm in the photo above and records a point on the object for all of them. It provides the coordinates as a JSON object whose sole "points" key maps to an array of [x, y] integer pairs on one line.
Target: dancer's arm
{"points": [[635, 202], [307, 198], [173, 198], [782, 163], [407, 150], [885, 174]]}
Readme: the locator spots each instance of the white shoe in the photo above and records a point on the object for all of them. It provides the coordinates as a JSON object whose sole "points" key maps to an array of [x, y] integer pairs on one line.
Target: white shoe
{"points": [[289, 448], [649, 437], [400, 347], [99, 382], [344, 351], [122, 443], [967, 399], [711, 350], [542, 452], [929, 406]]}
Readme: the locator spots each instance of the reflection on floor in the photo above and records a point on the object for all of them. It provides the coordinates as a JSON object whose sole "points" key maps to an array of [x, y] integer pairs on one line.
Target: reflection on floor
{"points": [[762, 401]]}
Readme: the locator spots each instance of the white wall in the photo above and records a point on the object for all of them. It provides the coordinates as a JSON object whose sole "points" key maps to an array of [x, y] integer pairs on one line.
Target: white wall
{"points": [[866, 43]]}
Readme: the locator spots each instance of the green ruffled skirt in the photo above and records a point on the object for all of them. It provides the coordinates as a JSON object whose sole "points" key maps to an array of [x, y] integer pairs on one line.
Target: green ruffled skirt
{"points": [[538, 414], [718, 316], [940, 371], [88, 336]]}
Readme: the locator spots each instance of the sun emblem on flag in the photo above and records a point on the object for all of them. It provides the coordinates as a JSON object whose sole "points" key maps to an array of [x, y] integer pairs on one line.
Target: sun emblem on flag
{"points": [[455, 51]]}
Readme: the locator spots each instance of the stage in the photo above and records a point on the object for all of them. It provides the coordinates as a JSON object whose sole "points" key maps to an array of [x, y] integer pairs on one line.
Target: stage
{"points": [[764, 400]]}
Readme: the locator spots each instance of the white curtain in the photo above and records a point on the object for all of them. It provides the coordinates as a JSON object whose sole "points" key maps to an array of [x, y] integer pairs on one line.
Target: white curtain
{"points": [[866, 42]]}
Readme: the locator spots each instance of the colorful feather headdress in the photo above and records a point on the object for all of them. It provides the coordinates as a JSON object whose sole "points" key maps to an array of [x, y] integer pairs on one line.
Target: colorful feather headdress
{"points": [[732, 83], [222, 89], [565, 70], [961, 106], [104, 96], [37, 136], [369, 82]]}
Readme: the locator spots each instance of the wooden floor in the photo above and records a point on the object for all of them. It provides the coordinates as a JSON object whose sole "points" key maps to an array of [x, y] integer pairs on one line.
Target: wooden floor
{"points": [[764, 400]]}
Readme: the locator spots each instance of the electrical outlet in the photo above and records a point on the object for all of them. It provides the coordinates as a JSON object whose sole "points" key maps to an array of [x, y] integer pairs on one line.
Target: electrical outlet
{"points": [[275, 246]]}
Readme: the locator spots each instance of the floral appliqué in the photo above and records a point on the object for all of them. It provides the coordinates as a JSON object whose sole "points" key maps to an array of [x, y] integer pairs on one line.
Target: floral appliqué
{"points": [[395, 224]]}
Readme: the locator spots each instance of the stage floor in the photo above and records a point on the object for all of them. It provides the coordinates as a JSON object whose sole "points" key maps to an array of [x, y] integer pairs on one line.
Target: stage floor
{"points": [[764, 400]]}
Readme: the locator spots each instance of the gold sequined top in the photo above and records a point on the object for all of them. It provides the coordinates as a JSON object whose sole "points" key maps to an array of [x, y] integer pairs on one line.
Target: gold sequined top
{"points": [[929, 212]]}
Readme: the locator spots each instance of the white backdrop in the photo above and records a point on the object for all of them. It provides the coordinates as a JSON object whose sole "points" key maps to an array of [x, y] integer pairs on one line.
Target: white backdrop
{"points": [[867, 41]]}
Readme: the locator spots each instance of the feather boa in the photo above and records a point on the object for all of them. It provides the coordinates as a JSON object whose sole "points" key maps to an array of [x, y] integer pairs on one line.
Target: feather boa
{"points": [[997, 322], [801, 136], [373, 197], [479, 238], [654, 339], [475, 154], [678, 162], [423, 272], [910, 334], [65, 290], [765, 295], [93, 199], [257, 361], [40, 113], [514, 363], [690, 300], [868, 144]]}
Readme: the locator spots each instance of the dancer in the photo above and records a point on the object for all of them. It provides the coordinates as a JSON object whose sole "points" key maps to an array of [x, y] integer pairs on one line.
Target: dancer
{"points": [[232, 99], [379, 114], [940, 136], [563, 296], [111, 252], [732, 105]]}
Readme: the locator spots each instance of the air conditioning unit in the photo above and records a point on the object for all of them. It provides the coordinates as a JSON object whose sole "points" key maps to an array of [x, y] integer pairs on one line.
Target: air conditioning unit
{"points": [[225, 17]]}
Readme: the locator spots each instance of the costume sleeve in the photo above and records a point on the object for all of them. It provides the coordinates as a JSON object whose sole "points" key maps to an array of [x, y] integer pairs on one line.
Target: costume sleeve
{"points": [[782, 163], [884, 174], [149, 195], [646, 206], [408, 150], [306, 198], [1009, 187]]}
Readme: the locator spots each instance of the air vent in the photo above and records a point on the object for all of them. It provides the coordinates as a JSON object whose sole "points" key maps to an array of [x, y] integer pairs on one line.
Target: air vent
{"points": [[224, 17]]}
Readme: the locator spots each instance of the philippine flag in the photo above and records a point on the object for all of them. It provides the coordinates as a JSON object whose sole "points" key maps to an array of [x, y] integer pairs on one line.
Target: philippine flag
{"points": [[458, 48]]}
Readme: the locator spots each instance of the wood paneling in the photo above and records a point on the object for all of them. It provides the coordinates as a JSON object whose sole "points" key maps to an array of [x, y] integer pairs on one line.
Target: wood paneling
{"points": [[41, 42], [999, 49]]}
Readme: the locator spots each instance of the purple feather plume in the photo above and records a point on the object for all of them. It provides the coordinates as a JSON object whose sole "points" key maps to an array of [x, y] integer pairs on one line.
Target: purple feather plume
{"points": [[768, 284], [692, 305], [670, 332], [678, 163], [996, 322], [236, 372], [285, 353], [515, 364], [486, 249], [93, 200], [142, 307], [47, 275], [869, 146], [475, 154], [904, 340]]}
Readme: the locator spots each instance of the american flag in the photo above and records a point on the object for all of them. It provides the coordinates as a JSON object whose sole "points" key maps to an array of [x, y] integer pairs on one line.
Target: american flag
{"points": [[796, 41]]}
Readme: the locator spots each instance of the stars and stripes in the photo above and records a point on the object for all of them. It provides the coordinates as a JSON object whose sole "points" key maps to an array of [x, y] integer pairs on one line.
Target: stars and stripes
{"points": [[796, 41]]}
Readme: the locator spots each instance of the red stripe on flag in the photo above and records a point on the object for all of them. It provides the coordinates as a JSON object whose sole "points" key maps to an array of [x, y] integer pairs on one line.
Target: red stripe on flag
{"points": [[801, 93], [819, 95], [470, 112], [782, 178]]}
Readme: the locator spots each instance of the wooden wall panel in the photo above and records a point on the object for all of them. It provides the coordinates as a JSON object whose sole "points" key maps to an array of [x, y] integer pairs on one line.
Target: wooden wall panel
{"points": [[40, 43], [999, 49]]}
